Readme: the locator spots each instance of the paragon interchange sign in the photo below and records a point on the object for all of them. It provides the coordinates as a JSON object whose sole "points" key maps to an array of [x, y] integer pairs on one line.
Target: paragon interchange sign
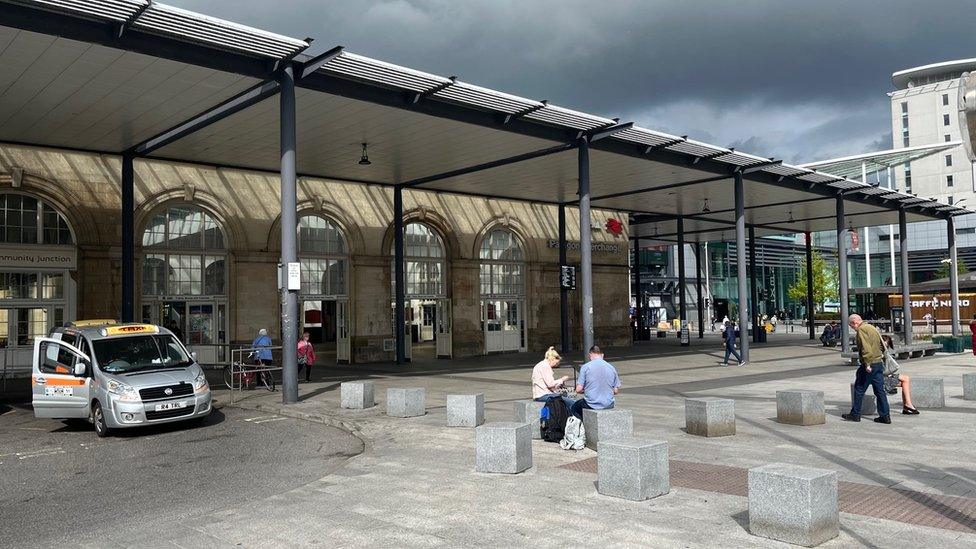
{"points": [[596, 246]]}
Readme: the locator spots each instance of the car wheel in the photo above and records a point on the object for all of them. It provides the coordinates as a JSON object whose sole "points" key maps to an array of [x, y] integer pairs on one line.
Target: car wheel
{"points": [[98, 418]]}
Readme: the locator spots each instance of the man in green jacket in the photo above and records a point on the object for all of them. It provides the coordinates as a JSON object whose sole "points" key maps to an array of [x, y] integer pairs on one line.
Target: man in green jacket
{"points": [[870, 348]]}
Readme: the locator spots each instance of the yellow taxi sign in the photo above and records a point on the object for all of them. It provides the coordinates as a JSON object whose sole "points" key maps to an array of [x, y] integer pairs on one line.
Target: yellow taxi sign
{"points": [[91, 322], [132, 329]]}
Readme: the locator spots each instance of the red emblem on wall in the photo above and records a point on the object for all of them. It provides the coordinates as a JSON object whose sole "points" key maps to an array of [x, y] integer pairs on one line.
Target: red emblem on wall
{"points": [[615, 227]]}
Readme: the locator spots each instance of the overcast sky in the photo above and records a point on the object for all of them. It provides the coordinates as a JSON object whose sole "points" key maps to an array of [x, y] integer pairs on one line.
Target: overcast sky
{"points": [[795, 79]]}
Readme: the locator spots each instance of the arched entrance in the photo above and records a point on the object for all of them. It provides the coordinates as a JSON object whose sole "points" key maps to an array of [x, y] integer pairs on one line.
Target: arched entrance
{"points": [[427, 310], [184, 279], [324, 258], [502, 292], [37, 291]]}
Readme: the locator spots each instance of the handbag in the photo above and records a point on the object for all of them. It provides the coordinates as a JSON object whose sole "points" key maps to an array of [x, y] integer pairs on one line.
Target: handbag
{"points": [[890, 364]]}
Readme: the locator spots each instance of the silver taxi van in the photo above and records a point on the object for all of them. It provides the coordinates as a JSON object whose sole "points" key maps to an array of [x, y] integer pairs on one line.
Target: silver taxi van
{"points": [[117, 376]]}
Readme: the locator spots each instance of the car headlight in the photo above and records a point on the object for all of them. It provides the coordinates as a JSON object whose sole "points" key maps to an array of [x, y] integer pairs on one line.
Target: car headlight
{"points": [[200, 384], [124, 392]]}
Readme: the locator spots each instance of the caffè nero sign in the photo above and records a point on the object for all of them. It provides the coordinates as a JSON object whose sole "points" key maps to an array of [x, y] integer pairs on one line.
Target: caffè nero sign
{"points": [[24, 257], [596, 246]]}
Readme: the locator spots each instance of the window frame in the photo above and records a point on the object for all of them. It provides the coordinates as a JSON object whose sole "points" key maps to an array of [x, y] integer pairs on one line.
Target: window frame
{"points": [[200, 256]]}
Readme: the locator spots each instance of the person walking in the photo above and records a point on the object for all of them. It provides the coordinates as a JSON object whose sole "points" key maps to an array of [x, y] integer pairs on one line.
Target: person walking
{"points": [[262, 347], [729, 336], [306, 355], [598, 383], [871, 370]]}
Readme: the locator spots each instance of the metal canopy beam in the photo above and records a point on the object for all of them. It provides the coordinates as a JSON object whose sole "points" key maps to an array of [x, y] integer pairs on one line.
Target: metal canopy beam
{"points": [[239, 102], [759, 167], [662, 187], [133, 39], [306, 68], [666, 144], [603, 133], [488, 165], [516, 115], [416, 97], [124, 26]]}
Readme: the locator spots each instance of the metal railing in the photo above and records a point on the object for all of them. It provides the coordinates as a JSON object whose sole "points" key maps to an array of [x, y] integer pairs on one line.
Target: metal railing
{"points": [[244, 361]]}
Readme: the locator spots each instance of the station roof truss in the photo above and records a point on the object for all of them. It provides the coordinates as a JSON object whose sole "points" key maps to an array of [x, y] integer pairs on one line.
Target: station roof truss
{"points": [[851, 166], [142, 78]]}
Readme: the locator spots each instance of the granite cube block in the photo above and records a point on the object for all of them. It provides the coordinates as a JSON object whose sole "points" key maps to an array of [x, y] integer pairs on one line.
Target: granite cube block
{"points": [[528, 411], [793, 504], [710, 416], [633, 468], [357, 395], [969, 386], [465, 410], [606, 425], [406, 402], [800, 407], [869, 406], [503, 447], [928, 392]]}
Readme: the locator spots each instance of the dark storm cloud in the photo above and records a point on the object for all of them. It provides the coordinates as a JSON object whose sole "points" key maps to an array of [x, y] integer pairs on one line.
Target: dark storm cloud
{"points": [[800, 80]]}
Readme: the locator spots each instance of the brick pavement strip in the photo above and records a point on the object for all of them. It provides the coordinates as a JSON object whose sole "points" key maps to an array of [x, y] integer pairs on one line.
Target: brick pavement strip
{"points": [[909, 507]]}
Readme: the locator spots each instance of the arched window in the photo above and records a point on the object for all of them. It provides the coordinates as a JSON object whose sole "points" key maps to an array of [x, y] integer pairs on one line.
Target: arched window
{"points": [[323, 256], [184, 254], [27, 220], [423, 257], [502, 273]]}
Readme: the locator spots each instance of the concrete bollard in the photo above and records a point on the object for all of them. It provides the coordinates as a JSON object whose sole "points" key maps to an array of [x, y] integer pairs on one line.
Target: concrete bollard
{"points": [[969, 386], [928, 392], [527, 411], [800, 407], [710, 416], [356, 395], [406, 402], [606, 425], [503, 447], [793, 504], [869, 406], [632, 468], [465, 410]]}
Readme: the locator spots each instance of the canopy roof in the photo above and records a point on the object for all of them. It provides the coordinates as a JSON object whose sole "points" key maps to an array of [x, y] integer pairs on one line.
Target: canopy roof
{"points": [[129, 76], [851, 166]]}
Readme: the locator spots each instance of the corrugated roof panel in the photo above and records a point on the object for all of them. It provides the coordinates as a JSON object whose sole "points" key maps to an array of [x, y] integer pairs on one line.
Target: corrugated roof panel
{"points": [[386, 74], [194, 27], [108, 10], [561, 116], [787, 170], [875, 191], [470, 94], [644, 136], [697, 148]]}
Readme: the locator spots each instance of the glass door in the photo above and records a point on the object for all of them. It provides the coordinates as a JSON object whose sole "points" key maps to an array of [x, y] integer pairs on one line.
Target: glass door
{"points": [[342, 332], [442, 319]]}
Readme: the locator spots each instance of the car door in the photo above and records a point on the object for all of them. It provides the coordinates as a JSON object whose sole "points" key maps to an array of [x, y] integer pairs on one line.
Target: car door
{"points": [[60, 381]]}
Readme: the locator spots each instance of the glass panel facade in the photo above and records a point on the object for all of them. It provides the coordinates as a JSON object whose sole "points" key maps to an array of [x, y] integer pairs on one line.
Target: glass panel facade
{"points": [[27, 220], [176, 264], [424, 266], [318, 235], [501, 267], [323, 257]]}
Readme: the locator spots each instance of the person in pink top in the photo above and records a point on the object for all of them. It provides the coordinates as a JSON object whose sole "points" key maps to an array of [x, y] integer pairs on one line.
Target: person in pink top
{"points": [[544, 383], [306, 355]]}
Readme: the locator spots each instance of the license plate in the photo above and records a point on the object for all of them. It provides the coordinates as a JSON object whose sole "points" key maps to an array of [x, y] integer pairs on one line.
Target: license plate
{"points": [[58, 391], [170, 405]]}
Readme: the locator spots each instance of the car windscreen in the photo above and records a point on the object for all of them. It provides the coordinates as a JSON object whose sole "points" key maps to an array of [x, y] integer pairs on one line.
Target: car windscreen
{"points": [[122, 355]]}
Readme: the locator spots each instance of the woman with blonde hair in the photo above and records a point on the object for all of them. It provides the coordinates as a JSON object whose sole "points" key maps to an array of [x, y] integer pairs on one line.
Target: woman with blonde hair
{"points": [[544, 383]]}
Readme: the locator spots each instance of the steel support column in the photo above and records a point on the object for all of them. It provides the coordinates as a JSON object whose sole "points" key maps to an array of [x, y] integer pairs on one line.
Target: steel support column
{"points": [[128, 239], [682, 290], [905, 290], [842, 276], [399, 322], [740, 265], [586, 251], [811, 317], [638, 310], [564, 292], [698, 290], [753, 289], [289, 235], [953, 275]]}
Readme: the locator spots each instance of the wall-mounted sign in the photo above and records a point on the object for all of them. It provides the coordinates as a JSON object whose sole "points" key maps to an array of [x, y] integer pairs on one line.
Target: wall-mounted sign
{"points": [[615, 227], [567, 277], [596, 246], [39, 257]]}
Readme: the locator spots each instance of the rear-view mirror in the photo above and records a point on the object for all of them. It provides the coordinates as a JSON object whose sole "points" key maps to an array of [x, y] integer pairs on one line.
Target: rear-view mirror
{"points": [[81, 367]]}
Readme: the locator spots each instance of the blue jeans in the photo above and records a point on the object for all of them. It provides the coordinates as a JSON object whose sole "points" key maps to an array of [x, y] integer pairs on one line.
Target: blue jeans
{"points": [[730, 350], [569, 402], [875, 378]]}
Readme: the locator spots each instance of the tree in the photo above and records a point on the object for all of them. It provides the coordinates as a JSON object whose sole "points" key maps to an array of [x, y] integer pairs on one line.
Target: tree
{"points": [[943, 270], [824, 282]]}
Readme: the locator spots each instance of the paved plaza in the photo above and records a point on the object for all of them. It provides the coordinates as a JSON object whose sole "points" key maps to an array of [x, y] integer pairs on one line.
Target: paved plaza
{"points": [[415, 484]]}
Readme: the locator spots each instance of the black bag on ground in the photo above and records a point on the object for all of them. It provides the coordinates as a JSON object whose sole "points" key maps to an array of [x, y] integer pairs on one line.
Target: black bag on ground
{"points": [[554, 415]]}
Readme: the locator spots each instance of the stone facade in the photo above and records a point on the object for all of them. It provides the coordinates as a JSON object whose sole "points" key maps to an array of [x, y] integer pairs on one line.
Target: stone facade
{"points": [[85, 187]]}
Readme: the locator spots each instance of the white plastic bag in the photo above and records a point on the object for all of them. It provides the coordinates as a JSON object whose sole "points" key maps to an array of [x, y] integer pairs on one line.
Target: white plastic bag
{"points": [[574, 436]]}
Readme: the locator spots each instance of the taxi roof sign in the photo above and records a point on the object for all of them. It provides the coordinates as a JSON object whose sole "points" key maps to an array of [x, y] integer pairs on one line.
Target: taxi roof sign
{"points": [[91, 322], [131, 329]]}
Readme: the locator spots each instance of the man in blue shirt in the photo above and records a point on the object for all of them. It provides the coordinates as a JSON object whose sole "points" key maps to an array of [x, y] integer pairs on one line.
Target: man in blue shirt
{"points": [[598, 383]]}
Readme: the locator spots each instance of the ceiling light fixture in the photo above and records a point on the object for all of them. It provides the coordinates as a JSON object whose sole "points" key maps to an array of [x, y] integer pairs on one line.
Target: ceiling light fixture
{"points": [[705, 208], [364, 160], [791, 216]]}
